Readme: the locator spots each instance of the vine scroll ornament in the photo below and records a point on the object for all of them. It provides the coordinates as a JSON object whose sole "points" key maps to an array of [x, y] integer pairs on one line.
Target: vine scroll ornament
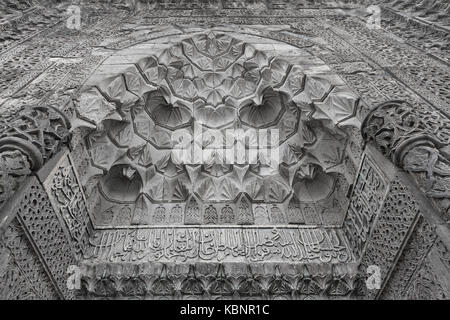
{"points": [[416, 139]]}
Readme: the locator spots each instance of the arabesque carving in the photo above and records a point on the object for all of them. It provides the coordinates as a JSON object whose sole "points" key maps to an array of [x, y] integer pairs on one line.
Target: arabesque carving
{"points": [[27, 140], [201, 281], [169, 128], [416, 138]]}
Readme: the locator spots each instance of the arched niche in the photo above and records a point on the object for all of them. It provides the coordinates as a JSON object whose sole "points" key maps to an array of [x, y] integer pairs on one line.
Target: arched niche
{"points": [[210, 82]]}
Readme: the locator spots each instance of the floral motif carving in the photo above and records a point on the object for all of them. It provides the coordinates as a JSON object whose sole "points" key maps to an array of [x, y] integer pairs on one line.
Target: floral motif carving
{"points": [[38, 218], [417, 139], [25, 62], [219, 81], [426, 286], [27, 139], [218, 280], [391, 230], [210, 244], [67, 198], [22, 275], [415, 251], [366, 201], [14, 168]]}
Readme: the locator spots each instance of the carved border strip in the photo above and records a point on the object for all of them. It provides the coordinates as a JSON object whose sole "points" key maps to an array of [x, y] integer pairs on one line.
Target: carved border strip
{"points": [[288, 245], [225, 281], [368, 196], [68, 201], [410, 260]]}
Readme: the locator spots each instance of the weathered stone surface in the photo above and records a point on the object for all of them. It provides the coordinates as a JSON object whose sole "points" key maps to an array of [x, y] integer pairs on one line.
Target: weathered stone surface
{"points": [[146, 197]]}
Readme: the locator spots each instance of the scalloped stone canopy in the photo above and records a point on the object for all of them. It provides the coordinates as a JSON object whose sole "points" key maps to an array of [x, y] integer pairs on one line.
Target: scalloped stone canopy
{"points": [[218, 82]]}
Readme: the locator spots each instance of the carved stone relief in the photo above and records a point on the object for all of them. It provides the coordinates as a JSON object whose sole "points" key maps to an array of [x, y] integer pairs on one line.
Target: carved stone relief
{"points": [[217, 244], [415, 252], [426, 286], [398, 215], [368, 196], [28, 139], [38, 218], [212, 71], [417, 139], [67, 198], [15, 167], [219, 281], [22, 276], [222, 83]]}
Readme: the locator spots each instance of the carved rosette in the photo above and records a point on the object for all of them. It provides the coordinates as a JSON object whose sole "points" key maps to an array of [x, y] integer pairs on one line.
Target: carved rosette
{"points": [[416, 139], [27, 140]]}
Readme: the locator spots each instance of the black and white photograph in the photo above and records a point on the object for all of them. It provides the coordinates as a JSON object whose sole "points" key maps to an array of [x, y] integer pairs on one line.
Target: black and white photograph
{"points": [[228, 151]]}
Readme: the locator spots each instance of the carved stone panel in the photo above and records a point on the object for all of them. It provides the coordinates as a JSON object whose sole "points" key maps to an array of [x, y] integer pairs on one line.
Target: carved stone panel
{"points": [[28, 138], [398, 215], [67, 198], [366, 201], [44, 230], [219, 244], [22, 275], [200, 281], [417, 139], [169, 227], [415, 251]]}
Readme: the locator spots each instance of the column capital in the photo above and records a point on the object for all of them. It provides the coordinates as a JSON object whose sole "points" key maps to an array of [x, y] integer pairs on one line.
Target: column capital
{"points": [[28, 139]]}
